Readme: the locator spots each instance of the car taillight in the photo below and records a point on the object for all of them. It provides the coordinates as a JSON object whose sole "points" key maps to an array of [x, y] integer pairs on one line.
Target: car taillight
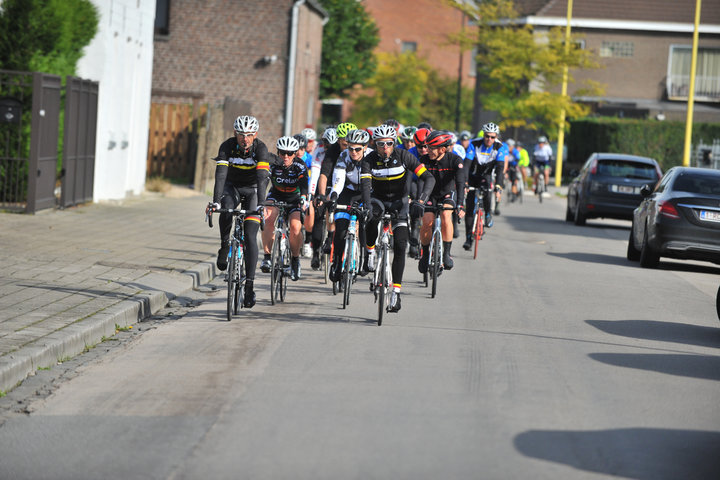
{"points": [[668, 209], [593, 167]]}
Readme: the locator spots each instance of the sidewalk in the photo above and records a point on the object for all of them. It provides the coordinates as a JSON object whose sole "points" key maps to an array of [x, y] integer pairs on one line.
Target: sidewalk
{"points": [[70, 277]]}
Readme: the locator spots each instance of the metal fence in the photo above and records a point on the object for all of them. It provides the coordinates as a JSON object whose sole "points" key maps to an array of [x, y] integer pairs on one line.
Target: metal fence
{"points": [[31, 169], [708, 155]]}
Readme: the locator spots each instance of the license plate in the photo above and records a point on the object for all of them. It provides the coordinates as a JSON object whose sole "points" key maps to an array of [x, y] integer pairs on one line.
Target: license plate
{"points": [[622, 189], [709, 216]]}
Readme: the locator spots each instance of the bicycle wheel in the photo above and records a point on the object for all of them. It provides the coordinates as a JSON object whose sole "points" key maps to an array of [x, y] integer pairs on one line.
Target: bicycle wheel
{"points": [[232, 281], [435, 265], [240, 289], [285, 256], [478, 230], [541, 186], [325, 259], [275, 268], [347, 269], [381, 289]]}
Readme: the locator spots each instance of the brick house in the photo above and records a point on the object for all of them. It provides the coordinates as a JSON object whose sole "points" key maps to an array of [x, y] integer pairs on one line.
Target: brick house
{"points": [[645, 47], [237, 57]]}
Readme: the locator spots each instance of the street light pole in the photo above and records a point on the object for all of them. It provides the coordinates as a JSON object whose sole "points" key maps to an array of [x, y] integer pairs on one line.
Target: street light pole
{"points": [[561, 133], [691, 94]]}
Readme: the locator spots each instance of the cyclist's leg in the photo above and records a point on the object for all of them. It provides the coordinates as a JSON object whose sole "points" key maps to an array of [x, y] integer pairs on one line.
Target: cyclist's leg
{"points": [[447, 218], [400, 240], [426, 230], [500, 183], [487, 198], [342, 220], [252, 225], [230, 199]]}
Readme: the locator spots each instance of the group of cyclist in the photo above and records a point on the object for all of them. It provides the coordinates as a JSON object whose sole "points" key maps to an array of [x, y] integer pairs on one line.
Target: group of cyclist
{"points": [[412, 173]]}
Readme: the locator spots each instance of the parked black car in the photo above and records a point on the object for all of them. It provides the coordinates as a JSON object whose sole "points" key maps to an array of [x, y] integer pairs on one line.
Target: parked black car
{"points": [[608, 186], [680, 218]]}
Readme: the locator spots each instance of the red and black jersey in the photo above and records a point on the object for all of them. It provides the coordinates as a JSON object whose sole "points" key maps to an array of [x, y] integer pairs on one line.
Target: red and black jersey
{"points": [[389, 180], [449, 176]]}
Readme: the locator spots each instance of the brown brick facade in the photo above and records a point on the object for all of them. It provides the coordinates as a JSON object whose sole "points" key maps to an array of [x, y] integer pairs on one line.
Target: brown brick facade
{"points": [[216, 49]]}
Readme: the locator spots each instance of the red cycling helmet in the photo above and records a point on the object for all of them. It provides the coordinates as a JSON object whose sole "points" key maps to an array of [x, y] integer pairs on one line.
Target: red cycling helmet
{"points": [[421, 135], [439, 138]]}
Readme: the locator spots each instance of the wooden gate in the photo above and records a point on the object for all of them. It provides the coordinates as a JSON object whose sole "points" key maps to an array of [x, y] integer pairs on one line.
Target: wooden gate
{"points": [[173, 142]]}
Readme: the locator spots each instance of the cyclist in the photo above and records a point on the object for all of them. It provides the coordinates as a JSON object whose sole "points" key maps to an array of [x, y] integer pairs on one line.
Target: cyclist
{"points": [[489, 156], [407, 138], [326, 171], [241, 180], [346, 191], [304, 156], [542, 156], [386, 173], [523, 163], [419, 149], [311, 136], [288, 176], [464, 141], [513, 157], [447, 169]]}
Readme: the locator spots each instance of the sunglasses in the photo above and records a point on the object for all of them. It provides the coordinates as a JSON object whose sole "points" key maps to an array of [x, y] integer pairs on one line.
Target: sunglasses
{"points": [[491, 136], [421, 146], [355, 149], [246, 135], [389, 143], [287, 153]]}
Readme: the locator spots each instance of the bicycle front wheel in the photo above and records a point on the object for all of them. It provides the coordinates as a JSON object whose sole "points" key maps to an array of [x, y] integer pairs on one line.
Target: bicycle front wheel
{"points": [[232, 282], [381, 289], [478, 231], [275, 269], [435, 265]]}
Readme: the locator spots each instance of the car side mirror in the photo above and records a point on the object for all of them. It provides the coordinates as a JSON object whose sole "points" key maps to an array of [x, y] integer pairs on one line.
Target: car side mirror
{"points": [[645, 191]]}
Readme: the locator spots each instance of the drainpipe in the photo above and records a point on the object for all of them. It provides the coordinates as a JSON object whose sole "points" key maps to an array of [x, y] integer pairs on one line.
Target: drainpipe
{"points": [[292, 57]]}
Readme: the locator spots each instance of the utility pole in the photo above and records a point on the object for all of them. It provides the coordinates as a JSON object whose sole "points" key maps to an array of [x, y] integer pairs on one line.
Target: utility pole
{"points": [[691, 94], [561, 133]]}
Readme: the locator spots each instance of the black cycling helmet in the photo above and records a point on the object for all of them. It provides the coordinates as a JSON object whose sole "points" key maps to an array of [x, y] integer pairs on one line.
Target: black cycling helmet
{"points": [[302, 140], [424, 125]]}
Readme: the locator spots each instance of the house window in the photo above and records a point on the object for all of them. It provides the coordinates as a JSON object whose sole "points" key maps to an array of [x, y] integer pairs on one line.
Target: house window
{"points": [[162, 17], [617, 49], [707, 75], [408, 47]]}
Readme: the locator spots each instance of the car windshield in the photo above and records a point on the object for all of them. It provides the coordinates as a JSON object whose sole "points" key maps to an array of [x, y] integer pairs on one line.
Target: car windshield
{"points": [[627, 169], [698, 183]]}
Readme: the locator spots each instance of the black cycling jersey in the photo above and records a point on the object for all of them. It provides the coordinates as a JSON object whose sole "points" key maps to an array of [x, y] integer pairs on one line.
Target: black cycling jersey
{"points": [[290, 180], [449, 176], [389, 180], [241, 169], [331, 157]]}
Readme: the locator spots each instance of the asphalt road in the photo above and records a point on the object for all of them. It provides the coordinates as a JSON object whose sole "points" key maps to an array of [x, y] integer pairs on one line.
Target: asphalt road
{"points": [[550, 357]]}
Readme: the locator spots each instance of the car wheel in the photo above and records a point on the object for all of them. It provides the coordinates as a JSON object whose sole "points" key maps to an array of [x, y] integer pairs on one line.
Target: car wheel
{"points": [[648, 258], [568, 212], [579, 217], [633, 254], [717, 303]]}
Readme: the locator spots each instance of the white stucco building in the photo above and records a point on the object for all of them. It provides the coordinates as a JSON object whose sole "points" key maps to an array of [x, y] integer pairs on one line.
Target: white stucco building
{"points": [[120, 58]]}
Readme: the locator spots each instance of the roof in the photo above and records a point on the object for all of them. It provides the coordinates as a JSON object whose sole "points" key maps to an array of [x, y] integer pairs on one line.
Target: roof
{"points": [[665, 11], [625, 156]]}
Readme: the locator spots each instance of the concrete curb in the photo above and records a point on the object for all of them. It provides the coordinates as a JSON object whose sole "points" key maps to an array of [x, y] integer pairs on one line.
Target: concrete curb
{"points": [[159, 289]]}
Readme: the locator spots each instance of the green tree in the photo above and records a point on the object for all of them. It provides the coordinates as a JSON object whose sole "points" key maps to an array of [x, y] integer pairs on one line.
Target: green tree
{"points": [[511, 58], [45, 35], [407, 88], [349, 38]]}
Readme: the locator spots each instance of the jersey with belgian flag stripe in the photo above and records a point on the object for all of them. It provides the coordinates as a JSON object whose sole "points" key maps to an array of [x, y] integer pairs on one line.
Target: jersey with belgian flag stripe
{"points": [[389, 180], [241, 169]]}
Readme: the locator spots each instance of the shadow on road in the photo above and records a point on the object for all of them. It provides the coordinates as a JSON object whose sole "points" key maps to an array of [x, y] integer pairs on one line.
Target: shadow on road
{"points": [[558, 226], [593, 258], [694, 366], [640, 453], [662, 331]]}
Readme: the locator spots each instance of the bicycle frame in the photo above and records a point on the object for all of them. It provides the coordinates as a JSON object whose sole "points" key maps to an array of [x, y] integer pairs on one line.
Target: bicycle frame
{"points": [[382, 279], [280, 254], [351, 253]]}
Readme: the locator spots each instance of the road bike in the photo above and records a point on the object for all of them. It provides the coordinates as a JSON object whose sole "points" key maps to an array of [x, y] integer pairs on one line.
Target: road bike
{"points": [[235, 275], [478, 228], [280, 256], [541, 187], [382, 278], [351, 255], [435, 255]]}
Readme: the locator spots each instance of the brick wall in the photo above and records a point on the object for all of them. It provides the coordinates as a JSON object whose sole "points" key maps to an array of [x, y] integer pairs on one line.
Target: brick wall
{"points": [[215, 48]]}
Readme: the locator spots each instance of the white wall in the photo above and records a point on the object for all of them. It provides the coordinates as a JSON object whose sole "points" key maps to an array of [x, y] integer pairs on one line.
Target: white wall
{"points": [[120, 58]]}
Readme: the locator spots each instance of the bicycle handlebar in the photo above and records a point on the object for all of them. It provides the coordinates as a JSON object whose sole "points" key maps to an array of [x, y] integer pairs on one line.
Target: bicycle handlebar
{"points": [[235, 212]]}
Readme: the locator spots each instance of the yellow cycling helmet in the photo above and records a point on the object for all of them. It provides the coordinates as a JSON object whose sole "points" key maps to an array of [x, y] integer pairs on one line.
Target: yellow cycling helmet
{"points": [[344, 128]]}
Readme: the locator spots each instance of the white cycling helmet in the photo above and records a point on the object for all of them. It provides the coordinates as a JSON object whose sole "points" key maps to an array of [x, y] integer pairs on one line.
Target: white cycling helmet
{"points": [[510, 142], [542, 139], [491, 128], [358, 137], [289, 144], [246, 124], [330, 135], [309, 133], [384, 131]]}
